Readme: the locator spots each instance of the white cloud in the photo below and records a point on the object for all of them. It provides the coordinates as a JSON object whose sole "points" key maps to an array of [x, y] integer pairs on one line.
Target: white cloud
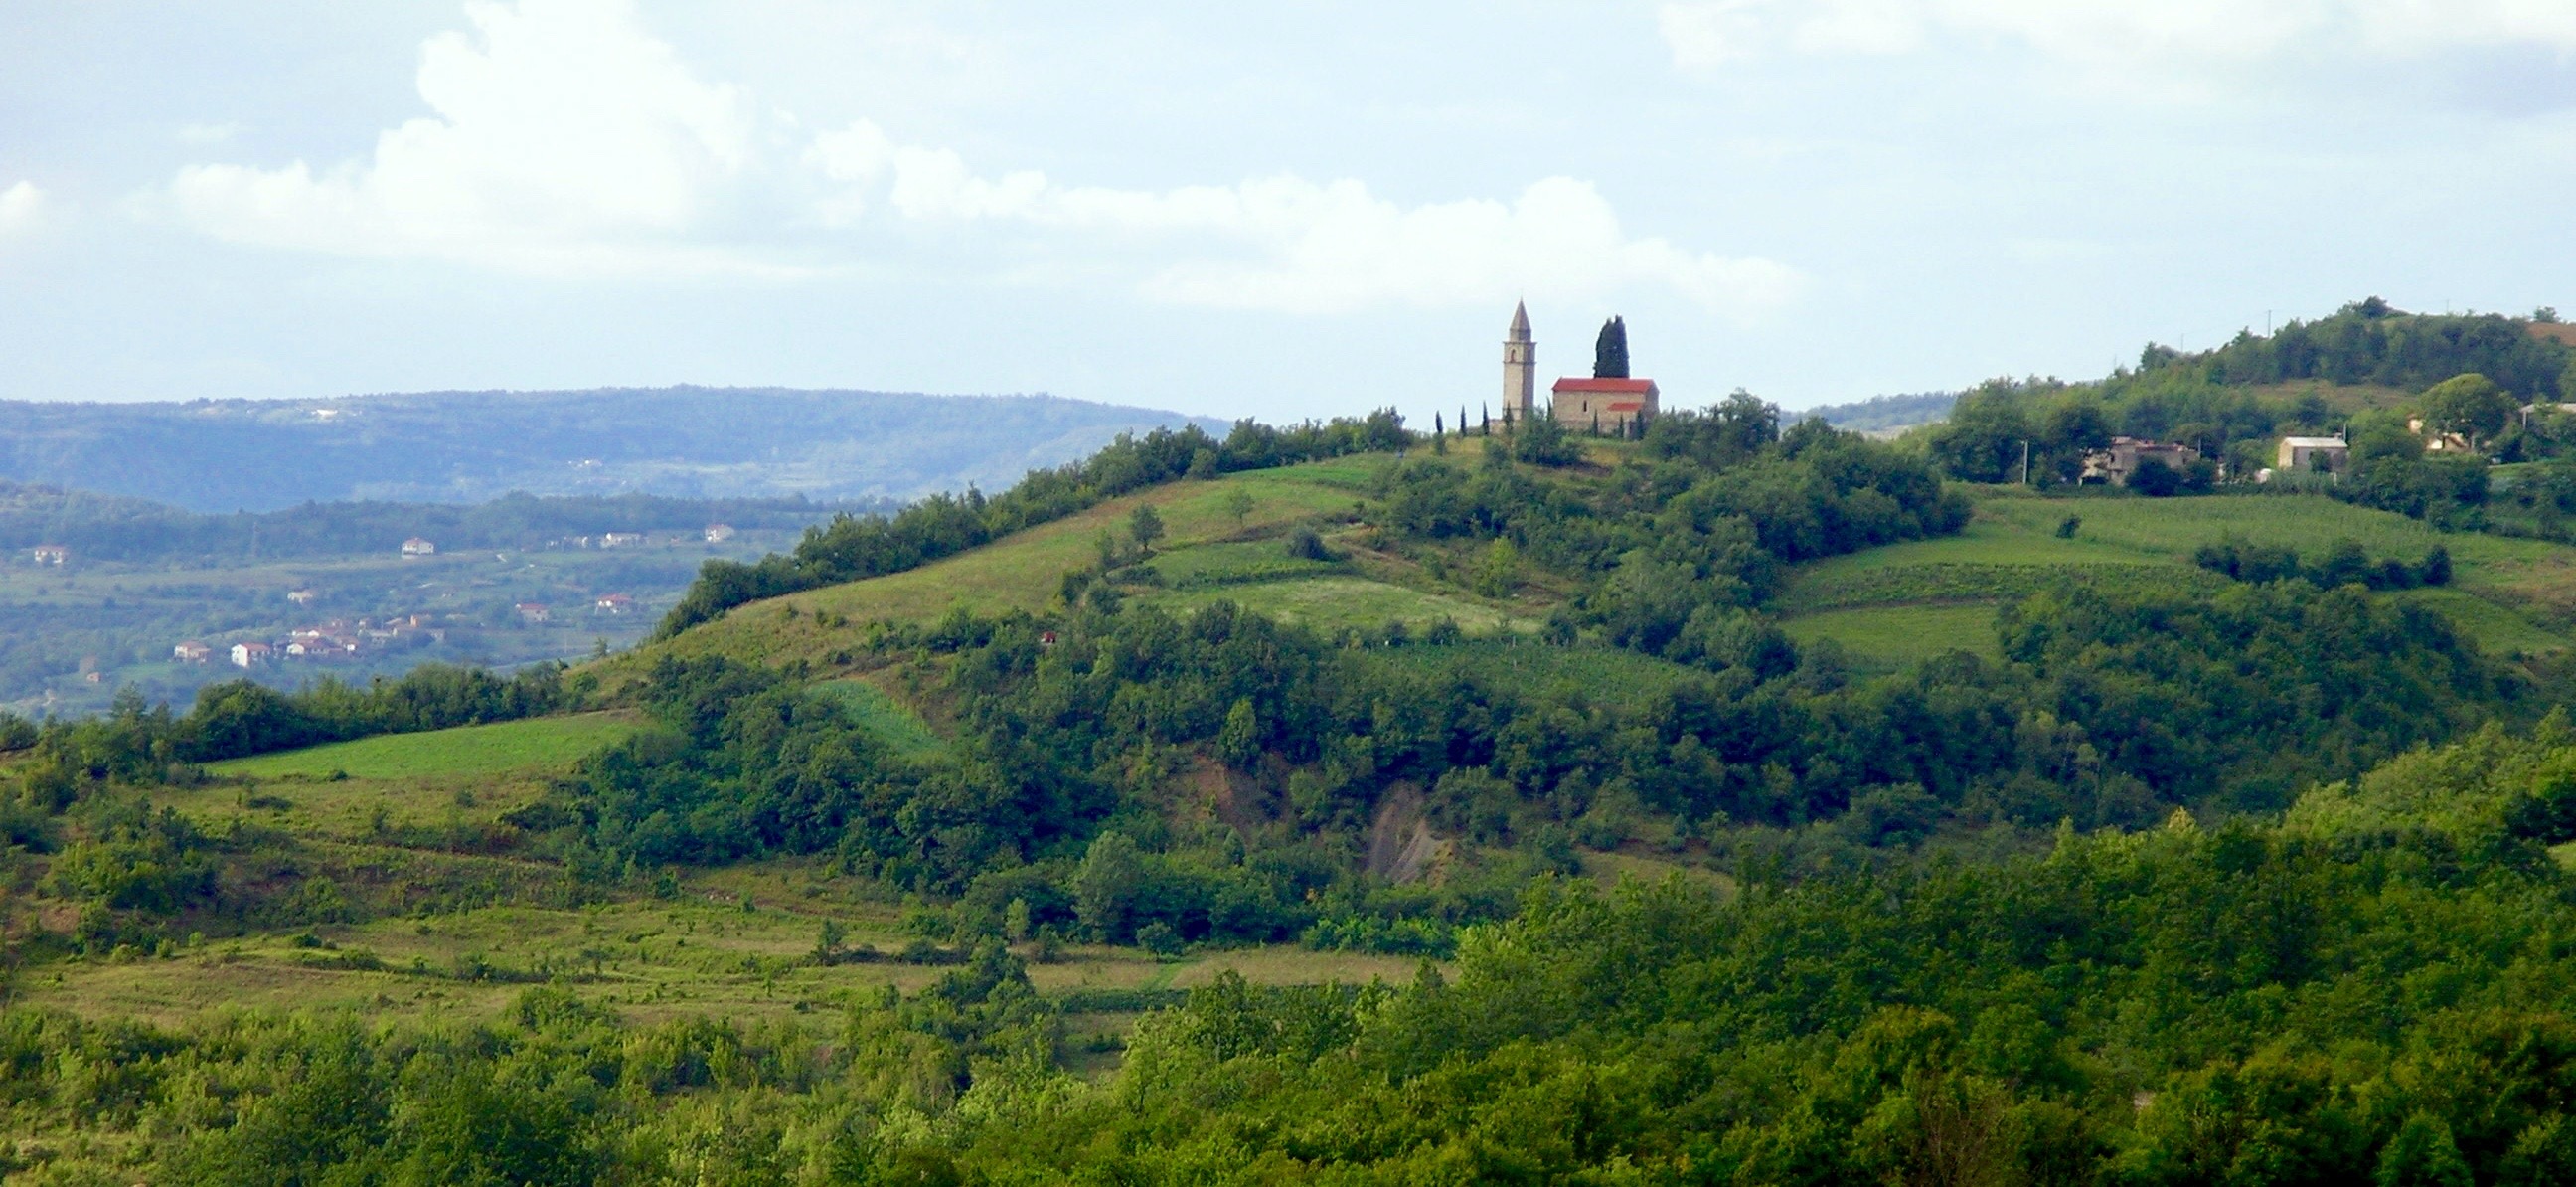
{"points": [[565, 139], [1289, 244], [2120, 34], [20, 206]]}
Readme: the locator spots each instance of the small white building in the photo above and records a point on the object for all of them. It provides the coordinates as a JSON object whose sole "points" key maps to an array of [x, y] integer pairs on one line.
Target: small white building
{"points": [[621, 539], [718, 533], [616, 603], [192, 652], [251, 655], [301, 597], [418, 547], [50, 554]]}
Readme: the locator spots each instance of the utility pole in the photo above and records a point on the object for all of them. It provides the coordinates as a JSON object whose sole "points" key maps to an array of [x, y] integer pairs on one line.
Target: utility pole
{"points": [[2025, 462]]}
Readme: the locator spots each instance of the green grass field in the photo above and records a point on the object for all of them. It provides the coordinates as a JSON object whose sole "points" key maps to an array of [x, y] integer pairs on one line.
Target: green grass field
{"points": [[1886, 638], [1606, 675], [1331, 603], [1896, 605], [467, 750], [889, 720], [1236, 563]]}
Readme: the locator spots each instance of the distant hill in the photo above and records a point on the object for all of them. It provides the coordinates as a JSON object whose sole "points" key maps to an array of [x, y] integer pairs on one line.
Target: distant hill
{"points": [[461, 447], [1883, 414]]}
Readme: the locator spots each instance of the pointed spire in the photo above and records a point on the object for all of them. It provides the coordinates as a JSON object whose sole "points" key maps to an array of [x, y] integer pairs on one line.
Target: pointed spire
{"points": [[1520, 322]]}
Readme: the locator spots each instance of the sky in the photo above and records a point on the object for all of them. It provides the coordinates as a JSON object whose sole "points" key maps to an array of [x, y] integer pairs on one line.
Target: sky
{"points": [[1280, 211]]}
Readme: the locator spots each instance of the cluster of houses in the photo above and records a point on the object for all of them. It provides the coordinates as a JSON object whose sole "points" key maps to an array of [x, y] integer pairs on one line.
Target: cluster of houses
{"points": [[340, 640], [714, 533], [334, 640], [608, 603], [2118, 462]]}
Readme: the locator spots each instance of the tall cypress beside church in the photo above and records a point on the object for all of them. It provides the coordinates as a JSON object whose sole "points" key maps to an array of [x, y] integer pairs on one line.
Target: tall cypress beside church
{"points": [[1610, 350]]}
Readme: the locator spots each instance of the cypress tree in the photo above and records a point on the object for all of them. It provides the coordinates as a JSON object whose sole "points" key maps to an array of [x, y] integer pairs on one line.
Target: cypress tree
{"points": [[1610, 350]]}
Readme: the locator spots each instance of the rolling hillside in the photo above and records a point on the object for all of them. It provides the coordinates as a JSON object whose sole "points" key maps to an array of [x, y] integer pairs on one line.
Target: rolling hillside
{"points": [[1888, 607]]}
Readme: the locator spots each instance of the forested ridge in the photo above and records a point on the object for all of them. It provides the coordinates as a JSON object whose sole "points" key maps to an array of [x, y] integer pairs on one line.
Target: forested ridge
{"points": [[103, 527], [2175, 884]]}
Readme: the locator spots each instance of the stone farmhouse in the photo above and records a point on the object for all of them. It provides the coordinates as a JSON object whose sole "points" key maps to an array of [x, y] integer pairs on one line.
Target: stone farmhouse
{"points": [[2116, 464]]}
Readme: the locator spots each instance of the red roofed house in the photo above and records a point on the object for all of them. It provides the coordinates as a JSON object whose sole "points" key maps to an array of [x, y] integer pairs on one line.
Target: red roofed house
{"points": [[616, 603], [192, 652], [250, 654], [534, 611], [1610, 404]]}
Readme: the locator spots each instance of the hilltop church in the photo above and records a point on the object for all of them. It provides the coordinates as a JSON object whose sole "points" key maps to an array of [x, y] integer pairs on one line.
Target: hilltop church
{"points": [[1608, 402]]}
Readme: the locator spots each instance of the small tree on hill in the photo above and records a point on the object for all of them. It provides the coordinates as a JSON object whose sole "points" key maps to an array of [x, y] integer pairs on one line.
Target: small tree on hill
{"points": [[1610, 350], [1145, 526]]}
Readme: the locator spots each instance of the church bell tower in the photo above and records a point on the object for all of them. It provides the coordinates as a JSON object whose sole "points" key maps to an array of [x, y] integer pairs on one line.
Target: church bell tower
{"points": [[1520, 368]]}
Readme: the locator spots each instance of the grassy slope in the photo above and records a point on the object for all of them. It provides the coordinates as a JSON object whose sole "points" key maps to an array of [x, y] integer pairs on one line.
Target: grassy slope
{"points": [[467, 750], [1206, 555], [1895, 605]]}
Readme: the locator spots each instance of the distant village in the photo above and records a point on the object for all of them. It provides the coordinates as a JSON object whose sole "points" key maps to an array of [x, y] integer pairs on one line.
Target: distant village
{"points": [[341, 639]]}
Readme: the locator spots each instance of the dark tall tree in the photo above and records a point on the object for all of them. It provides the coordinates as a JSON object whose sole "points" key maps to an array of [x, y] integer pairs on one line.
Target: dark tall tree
{"points": [[1610, 351]]}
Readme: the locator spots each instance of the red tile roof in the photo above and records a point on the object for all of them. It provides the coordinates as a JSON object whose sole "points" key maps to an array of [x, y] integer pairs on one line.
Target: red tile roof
{"points": [[1635, 387]]}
